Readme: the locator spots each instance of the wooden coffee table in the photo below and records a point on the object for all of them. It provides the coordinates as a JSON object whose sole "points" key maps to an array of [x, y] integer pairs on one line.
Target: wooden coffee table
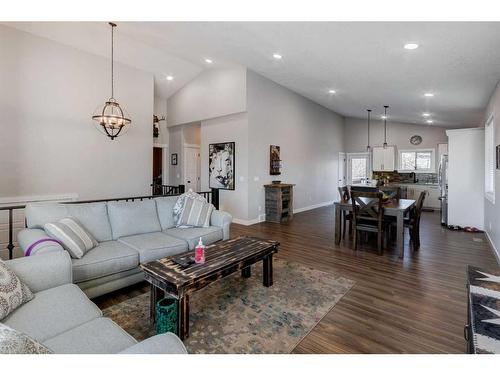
{"points": [[221, 259]]}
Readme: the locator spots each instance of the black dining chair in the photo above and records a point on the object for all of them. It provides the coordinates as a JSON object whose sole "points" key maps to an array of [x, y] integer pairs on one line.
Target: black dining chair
{"points": [[368, 215], [413, 221], [345, 196]]}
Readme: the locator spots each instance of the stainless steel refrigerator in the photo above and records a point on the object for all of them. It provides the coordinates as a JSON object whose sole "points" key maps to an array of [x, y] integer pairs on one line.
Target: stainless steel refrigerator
{"points": [[443, 186]]}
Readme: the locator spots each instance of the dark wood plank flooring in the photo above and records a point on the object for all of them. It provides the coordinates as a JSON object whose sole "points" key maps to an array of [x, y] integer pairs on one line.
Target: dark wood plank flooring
{"points": [[411, 305]]}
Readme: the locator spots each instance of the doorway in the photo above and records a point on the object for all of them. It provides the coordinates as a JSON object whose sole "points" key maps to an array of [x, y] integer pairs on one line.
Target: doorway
{"points": [[342, 177], [157, 165], [192, 167]]}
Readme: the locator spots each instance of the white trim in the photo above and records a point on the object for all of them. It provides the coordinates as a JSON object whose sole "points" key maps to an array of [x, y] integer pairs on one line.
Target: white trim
{"points": [[192, 145], [495, 250], [38, 198], [489, 125], [261, 217], [463, 130], [160, 145], [312, 207]]}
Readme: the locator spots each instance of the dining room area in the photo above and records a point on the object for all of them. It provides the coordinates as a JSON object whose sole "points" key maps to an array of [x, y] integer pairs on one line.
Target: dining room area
{"points": [[374, 218]]}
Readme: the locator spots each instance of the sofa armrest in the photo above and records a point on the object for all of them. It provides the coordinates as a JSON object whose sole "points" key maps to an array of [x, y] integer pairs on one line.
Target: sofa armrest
{"points": [[44, 271], [166, 343], [36, 241], [222, 219]]}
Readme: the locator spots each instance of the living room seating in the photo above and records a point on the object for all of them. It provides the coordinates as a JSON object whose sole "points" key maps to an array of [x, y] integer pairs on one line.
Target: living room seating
{"points": [[62, 318], [128, 233]]}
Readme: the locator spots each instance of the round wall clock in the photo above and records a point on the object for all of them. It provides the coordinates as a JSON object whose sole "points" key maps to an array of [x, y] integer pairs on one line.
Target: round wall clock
{"points": [[416, 140]]}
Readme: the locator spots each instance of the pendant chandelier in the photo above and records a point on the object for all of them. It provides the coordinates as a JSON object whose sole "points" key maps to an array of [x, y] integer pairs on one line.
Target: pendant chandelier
{"points": [[368, 144], [385, 125], [111, 118]]}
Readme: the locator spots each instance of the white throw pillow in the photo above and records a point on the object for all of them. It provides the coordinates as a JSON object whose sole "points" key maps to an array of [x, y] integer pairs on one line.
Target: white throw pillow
{"points": [[72, 235], [192, 210]]}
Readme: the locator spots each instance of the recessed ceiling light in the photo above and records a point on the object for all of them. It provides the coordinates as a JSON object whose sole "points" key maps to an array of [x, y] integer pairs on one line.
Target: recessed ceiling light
{"points": [[426, 114], [169, 78], [277, 56], [209, 61], [331, 91], [430, 121], [411, 46], [429, 94]]}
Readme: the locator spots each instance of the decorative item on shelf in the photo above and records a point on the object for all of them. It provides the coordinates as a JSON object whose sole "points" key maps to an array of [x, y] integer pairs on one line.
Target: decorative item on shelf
{"points": [[385, 125], [156, 125], [221, 165], [274, 160], [368, 148], [276, 182], [173, 159], [112, 119], [416, 140]]}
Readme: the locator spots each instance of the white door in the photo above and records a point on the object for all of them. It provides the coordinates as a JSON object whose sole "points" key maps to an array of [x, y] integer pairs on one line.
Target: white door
{"points": [[358, 167], [192, 168], [342, 169]]}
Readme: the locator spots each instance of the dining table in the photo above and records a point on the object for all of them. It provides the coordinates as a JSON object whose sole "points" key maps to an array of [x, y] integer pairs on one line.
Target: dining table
{"points": [[397, 208]]}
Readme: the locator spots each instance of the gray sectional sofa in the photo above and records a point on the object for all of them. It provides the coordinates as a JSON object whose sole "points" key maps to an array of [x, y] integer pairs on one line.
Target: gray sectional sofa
{"points": [[129, 233], [62, 317]]}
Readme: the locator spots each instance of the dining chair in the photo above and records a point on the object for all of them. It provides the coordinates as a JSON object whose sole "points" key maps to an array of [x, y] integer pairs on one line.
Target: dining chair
{"points": [[368, 215], [413, 221], [345, 196]]}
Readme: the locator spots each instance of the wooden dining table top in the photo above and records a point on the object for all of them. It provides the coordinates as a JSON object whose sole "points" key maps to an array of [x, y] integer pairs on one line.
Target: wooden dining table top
{"points": [[392, 205]]}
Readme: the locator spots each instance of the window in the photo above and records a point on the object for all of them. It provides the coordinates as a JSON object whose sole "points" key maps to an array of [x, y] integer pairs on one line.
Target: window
{"points": [[416, 160], [358, 167], [489, 160]]}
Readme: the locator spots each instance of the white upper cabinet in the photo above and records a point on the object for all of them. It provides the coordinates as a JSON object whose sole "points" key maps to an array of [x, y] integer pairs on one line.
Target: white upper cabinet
{"points": [[384, 159]]}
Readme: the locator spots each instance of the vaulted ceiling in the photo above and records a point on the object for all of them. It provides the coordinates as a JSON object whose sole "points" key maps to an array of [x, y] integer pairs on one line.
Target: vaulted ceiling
{"points": [[364, 62]]}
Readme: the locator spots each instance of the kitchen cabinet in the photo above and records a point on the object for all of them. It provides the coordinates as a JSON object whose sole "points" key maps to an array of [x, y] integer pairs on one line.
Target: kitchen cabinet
{"points": [[384, 159], [432, 197]]}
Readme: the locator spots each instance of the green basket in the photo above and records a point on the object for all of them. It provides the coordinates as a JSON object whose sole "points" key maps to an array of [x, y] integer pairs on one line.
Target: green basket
{"points": [[166, 315]]}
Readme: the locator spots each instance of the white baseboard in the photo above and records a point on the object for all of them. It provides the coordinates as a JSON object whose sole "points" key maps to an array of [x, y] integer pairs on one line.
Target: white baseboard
{"points": [[312, 207], [495, 250], [262, 217]]}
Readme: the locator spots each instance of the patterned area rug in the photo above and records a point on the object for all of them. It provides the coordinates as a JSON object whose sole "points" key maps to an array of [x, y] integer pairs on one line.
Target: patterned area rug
{"points": [[237, 315]]}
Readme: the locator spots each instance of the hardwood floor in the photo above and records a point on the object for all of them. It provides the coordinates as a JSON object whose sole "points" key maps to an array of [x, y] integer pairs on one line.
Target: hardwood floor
{"points": [[411, 305]]}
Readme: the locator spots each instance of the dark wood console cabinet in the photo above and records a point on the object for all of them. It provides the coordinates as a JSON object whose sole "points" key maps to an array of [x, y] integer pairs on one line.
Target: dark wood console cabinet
{"points": [[279, 202]]}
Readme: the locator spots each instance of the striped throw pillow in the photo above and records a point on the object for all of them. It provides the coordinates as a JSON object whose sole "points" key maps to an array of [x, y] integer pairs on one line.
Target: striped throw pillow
{"points": [[72, 235], [196, 212]]}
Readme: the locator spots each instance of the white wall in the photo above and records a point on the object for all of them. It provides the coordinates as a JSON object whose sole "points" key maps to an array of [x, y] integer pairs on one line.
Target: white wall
{"points": [[491, 211], [213, 93], [232, 128], [355, 135], [48, 141], [176, 146], [310, 137]]}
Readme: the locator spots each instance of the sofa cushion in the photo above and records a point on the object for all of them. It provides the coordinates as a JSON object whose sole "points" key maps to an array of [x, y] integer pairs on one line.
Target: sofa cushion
{"points": [[52, 312], [15, 342], [165, 209], [94, 217], [154, 246], [39, 214], [107, 258], [13, 292], [129, 218], [192, 235], [74, 237], [99, 336]]}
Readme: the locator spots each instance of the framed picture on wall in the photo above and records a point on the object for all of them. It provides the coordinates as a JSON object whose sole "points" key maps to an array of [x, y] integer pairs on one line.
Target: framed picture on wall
{"points": [[173, 159], [498, 156], [221, 165]]}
